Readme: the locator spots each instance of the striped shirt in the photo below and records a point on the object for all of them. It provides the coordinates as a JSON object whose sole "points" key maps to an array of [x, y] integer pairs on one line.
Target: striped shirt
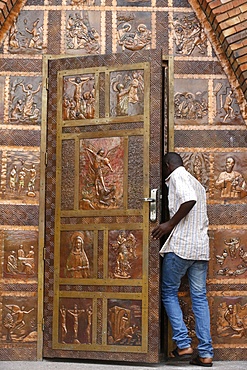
{"points": [[189, 238]]}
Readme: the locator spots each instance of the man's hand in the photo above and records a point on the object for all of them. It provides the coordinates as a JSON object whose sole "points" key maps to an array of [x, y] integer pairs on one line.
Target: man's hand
{"points": [[161, 230], [167, 227]]}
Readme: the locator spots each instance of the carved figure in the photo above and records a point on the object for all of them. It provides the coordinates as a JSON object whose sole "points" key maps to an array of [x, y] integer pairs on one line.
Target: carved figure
{"points": [[63, 323], [89, 323], [233, 245], [126, 252], [12, 263], [77, 265], [76, 313], [227, 106], [13, 40], [35, 42], [231, 183], [19, 313], [31, 182], [98, 163], [21, 179], [17, 110], [13, 179], [29, 99], [28, 262]]}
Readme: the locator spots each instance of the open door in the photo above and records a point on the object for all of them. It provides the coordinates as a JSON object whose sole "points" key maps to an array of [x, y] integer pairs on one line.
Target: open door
{"points": [[103, 143]]}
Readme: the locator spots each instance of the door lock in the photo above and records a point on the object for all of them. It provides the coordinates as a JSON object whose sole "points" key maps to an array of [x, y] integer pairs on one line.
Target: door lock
{"points": [[153, 204]]}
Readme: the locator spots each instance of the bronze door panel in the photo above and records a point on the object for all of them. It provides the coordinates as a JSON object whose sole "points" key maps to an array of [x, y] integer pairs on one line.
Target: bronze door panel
{"points": [[101, 279]]}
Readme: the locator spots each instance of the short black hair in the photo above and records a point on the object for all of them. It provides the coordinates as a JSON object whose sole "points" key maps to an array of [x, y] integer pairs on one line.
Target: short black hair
{"points": [[173, 158]]}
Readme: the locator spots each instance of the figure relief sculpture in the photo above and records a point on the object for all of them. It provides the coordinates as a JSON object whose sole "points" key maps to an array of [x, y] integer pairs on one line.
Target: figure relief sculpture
{"points": [[197, 164], [128, 92], [233, 259], [81, 103], [77, 265], [229, 111], [14, 322], [26, 39], [125, 249], [231, 183], [79, 329], [17, 180], [189, 36], [99, 179], [81, 35], [76, 314], [231, 320], [22, 102], [134, 40], [21, 262], [63, 312], [190, 106], [122, 330]]}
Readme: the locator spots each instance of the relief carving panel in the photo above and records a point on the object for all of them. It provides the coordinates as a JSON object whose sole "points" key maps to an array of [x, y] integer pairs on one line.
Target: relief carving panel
{"points": [[127, 93], [83, 32], [22, 175], [20, 254], [79, 97], [230, 175], [25, 100], [229, 254], [124, 322], [190, 106], [101, 173], [229, 321], [75, 320], [76, 254], [227, 110], [198, 164], [19, 320], [189, 36], [125, 254], [133, 31], [26, 35]]}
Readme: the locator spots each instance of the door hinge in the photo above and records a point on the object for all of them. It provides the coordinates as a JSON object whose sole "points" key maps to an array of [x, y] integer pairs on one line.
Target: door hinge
{"points": [[46, 158], [44, 253], [43, 324], [47, 83]]}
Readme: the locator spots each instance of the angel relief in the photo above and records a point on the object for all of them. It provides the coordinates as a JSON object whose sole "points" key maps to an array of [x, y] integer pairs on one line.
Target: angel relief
{"points": [[101, 180]]}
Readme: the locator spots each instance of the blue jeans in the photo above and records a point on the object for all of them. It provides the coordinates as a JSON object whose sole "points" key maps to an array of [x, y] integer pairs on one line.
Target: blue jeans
{"points": [[174, 268]]}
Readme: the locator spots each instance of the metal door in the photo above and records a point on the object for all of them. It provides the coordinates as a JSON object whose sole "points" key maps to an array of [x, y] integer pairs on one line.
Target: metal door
{"points": [[103, 148]]}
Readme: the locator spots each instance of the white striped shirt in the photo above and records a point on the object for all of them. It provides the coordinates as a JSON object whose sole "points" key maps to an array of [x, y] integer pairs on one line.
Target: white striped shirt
{"points": [[189, 238]]}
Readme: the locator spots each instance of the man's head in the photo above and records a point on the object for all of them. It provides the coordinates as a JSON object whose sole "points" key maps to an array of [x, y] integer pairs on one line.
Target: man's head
{"points": [[171, 161], [230, 162]]}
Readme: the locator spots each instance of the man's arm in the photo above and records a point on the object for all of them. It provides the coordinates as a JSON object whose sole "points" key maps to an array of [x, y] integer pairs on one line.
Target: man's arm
{"points": [[167, 227]]}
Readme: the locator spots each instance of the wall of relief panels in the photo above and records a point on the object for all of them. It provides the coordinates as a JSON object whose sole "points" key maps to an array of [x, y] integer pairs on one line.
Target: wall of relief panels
{"points": [[209, 132]]}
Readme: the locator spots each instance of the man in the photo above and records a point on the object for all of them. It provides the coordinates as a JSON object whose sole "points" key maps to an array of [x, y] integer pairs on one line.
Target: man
{"points": [[186, 250]]}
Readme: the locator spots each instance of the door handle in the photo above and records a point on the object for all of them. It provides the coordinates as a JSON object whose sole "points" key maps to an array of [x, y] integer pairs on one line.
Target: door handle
{"points": [[153, 204]]}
